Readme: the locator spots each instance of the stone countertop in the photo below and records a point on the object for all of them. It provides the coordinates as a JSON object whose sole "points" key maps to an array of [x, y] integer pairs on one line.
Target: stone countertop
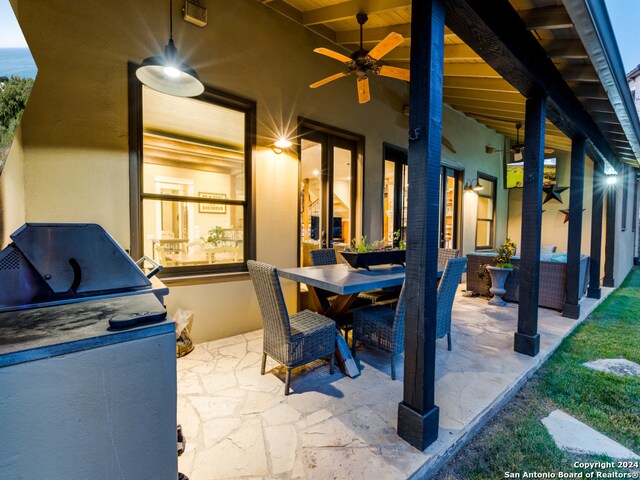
{"points": [[37, 333]]}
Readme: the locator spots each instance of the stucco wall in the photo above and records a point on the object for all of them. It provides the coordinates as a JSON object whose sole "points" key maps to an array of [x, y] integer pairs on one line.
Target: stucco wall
{"points": [[75, 131], [12, 201], [624, 238]]}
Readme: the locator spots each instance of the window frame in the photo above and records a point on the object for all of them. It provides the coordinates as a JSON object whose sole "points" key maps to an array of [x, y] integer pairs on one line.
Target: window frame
{"points": [[137, 194], [494, 197]]}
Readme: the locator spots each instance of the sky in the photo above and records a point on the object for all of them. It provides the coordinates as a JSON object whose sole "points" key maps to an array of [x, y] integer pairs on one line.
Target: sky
{"points": [[10, 33], [624, 15]]}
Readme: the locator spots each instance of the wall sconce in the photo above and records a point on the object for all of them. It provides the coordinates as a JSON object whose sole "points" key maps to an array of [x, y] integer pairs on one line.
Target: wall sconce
{"points": [[469, 186], [281, 145], [612, 179]]}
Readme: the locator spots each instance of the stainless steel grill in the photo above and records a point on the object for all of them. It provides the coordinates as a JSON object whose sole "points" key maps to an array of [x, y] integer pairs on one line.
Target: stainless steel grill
{"points": [[52, 263]]}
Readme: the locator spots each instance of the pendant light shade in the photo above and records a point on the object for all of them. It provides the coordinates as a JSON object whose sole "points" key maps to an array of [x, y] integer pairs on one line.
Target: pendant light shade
{"points": [[167, 74]]}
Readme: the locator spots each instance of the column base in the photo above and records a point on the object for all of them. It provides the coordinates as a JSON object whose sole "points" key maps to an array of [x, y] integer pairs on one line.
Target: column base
{"points": [[594, 292], [527, 344], [571, 311], [608, 282], [418, 430]]}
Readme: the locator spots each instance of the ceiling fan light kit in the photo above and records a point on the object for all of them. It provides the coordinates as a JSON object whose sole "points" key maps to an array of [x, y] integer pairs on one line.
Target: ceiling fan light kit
{"points": [[167, 74], [363, 62]]}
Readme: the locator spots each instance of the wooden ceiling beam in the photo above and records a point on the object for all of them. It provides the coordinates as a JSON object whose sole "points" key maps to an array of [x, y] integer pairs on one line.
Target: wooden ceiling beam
{"points": [[505, 43], [370, 35], [480, 70], [593, 105], [586, 90], [578, 73], [482, 103], [374, 35], [489, 84], [608, 118], [550, 129], [489, 109], [546, 18], [451, 52], [294, 14], [472, 94], [565, 49], [350, 9]]}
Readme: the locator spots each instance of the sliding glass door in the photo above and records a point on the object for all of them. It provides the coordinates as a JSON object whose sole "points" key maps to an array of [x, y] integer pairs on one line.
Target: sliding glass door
{"points": [[396, 190], [327, 192]]}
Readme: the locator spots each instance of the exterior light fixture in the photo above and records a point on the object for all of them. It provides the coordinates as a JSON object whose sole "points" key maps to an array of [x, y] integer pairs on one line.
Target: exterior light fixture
{"points": [[612, 179], [470, 186], [167, 74], [281, 145]]}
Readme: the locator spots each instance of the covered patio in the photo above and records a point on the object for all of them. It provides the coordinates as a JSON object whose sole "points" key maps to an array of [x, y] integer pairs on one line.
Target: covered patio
{"points": [[239, 425]]}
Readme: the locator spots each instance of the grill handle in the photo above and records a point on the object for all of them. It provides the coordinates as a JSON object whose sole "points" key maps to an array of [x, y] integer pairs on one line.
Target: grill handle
{"points": [[156, 266]]}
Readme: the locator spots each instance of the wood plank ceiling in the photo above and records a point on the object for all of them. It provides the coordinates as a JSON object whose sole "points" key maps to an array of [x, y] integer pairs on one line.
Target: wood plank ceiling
{"points": [[470, 85]]}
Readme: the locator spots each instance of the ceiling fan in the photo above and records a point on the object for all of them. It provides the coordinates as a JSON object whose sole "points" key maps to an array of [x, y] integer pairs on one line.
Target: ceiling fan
{"points": [[517, 148], [362, 62]]}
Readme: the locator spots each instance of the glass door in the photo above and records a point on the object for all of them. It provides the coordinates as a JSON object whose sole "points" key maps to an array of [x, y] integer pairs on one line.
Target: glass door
{"points": [[327, 192], [396, 190], [449, 207]]}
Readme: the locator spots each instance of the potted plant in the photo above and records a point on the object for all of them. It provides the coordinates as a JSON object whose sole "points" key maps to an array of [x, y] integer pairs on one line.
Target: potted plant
{"points": [[363, 255], [500, 271]]}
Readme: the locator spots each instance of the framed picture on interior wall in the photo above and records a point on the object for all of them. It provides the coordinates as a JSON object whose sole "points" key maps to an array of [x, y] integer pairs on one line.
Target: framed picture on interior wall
{"points": [[211, 207]]}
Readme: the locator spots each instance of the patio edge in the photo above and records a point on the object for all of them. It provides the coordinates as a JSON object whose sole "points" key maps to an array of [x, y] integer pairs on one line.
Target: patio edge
{"points": [[433, 465]]}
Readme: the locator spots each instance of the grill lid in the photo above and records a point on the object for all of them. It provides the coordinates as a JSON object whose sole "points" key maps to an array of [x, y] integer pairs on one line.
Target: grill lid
{"points": [[51, 262]]}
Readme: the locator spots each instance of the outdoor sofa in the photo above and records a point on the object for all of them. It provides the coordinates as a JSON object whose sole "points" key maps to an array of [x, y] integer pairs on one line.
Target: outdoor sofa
{"points": [[553, 273]]}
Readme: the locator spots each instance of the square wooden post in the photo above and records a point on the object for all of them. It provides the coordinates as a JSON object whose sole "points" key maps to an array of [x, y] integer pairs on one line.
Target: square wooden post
{"points": [[527, 338], [597, 201], [571, 308], [418, 416]]}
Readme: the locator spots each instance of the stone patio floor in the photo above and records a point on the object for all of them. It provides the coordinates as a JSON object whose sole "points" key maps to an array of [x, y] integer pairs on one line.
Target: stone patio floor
{"points": [[238, 424]]}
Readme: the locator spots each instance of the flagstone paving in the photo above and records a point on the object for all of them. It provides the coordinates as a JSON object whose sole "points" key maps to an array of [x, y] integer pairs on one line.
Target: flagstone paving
{"points": [[617, 366], [573, 436], [238, 423]]}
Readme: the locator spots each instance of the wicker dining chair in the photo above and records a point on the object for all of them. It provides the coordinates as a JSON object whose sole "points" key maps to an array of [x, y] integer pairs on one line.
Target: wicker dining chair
{"points": [[445, 254], [323, 256], [381, 328], [446, 292], [290, 340]]}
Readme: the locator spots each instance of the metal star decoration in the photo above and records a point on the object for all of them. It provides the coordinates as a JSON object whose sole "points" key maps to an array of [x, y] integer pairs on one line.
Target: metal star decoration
{"points": [[566, 214], [553, 192]]}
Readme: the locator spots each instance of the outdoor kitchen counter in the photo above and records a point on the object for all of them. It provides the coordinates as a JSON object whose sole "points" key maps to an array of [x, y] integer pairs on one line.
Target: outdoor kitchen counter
{"points": [[38, 333]]}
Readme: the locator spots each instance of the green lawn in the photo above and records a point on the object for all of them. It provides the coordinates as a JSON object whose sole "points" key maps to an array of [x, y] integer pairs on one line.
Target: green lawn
{"points": [[516, 441]]}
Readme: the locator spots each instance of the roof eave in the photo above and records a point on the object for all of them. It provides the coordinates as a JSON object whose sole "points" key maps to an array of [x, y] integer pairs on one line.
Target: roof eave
{"points": [[591, 21]]}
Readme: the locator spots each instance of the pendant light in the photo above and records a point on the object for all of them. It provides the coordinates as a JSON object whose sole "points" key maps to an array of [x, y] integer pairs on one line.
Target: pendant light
{"points": [[167, 74]]}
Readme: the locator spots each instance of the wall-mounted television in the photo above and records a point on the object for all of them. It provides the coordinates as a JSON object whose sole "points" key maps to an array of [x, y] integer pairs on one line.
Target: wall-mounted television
{"points": [[514, 173]]}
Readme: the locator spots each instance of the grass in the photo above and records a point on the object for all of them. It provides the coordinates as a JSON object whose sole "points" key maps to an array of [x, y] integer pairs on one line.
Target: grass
{"points": [[516, 441]]}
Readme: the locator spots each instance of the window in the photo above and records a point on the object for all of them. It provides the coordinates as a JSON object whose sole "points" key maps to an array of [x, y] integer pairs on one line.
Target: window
{"points": [[193, 188], [485, 222]]}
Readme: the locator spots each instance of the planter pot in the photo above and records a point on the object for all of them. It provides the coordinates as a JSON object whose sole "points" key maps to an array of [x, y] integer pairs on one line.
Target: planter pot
{"points": [[383, 257], [498, 278]]}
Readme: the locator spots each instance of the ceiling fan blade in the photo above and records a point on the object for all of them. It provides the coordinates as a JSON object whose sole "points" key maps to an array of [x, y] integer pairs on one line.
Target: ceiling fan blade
{"points": [[329, 79], [549, 150], [387, 44], [394, 72], [335, 55], [363, 90]]}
